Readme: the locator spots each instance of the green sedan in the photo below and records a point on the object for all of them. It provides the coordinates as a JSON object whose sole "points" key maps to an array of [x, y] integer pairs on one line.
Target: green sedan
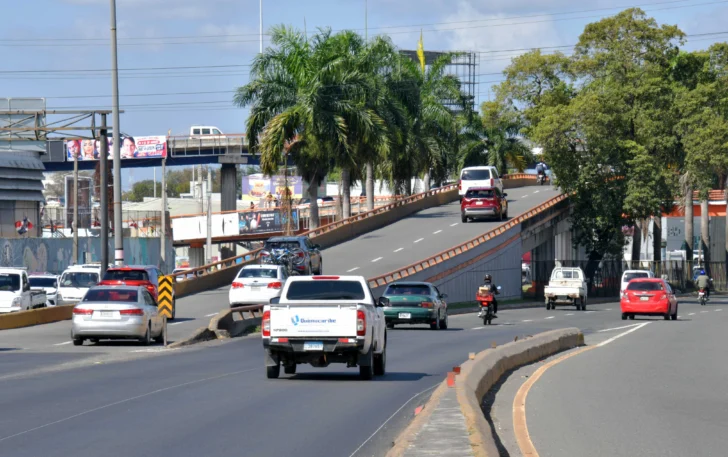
{"points": [[414, 303]]}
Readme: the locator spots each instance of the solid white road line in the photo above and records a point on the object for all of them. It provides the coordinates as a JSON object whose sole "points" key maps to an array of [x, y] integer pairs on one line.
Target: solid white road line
{"points": [[377, 259], [639, 326], [63, 344], [397, 250], [617, 328], [453, 225], [550, 317], [435, 233], [353, 269], [417, 241]]}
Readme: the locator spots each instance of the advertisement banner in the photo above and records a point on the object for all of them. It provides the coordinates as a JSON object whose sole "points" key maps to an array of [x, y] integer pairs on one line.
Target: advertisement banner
{"points": [[256, 188], [266, 221], [141, 147]]}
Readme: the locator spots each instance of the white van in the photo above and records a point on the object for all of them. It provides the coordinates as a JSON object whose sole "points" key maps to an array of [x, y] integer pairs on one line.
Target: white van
{"points": [[485, 176], [204, 131], [629, 275], [76, 281]]}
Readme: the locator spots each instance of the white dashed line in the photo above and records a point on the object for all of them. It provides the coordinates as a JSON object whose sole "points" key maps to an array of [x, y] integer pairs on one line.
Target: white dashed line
{"points": [[435, 233], [453, 225], [550, 317], [527, 320], [377, 259], [63, 344], [417, 241], [679, 317], [477, 328], [608, 309], [397, 250], [718, 310], [524, 196], [176, 323], [210, 315], [353, 269], [703, 312], [570, 314], [537, 191], [588, 312], [691, 314]]}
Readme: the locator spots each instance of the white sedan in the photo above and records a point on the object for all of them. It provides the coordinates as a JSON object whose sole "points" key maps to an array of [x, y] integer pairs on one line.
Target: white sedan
{"points": [[257, 285]]}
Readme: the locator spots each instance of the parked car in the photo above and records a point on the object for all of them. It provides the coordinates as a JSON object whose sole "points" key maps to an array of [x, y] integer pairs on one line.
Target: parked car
{"points": [[15, 292], [566, 286], [629, 275], [481, 202], [256, 285], [415, 303], [76, 281], [46, 282], [137, 275], [321, 320], [117, 312], [649, 297], [309, 261], [484, 176]]}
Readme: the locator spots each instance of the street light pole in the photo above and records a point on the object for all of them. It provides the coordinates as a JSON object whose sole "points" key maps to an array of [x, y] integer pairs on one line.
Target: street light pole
{"points": [[118, 229], [74, 226], [261, 26], [366, 20], [104, 191]]}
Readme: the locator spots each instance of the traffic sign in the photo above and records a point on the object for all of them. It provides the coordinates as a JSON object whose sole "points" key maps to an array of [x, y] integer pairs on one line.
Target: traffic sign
{"points": [[165, 303]]}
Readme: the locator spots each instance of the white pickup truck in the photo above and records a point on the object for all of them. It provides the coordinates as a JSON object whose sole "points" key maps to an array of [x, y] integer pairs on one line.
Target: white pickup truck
{"points": [[15, 293], [325, 319], [566, 286]]}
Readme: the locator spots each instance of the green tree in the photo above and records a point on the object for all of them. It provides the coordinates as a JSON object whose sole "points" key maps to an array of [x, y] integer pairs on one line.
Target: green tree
{"points": [[142, 189]]}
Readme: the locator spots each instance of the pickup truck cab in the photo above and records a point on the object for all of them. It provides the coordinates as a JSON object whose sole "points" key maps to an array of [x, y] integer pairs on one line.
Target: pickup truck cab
{"points": [[15, 293], [566, 286], [46, 282], [321, 320]]}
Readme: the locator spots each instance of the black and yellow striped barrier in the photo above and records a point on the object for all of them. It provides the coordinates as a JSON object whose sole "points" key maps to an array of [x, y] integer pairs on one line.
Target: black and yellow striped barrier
{"points": [[165, 302]]}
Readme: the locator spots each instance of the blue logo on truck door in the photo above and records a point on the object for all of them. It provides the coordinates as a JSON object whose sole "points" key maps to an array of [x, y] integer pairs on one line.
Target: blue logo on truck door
{"points": [[295, 320]]}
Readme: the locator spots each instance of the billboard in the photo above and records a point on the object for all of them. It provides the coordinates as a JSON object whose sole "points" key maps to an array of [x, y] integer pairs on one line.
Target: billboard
{"points": [[140, 147], [266, 221], [84, 201], [257, 187], [232, 224]]}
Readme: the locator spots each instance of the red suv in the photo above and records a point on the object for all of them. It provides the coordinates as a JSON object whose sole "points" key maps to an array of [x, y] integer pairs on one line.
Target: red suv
{"points": [[483, 202], [133, 275]]}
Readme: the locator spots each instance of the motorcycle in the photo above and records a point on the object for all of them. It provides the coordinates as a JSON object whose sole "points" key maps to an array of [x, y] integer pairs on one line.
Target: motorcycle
{"points": [[702, 298], [485, 299]]}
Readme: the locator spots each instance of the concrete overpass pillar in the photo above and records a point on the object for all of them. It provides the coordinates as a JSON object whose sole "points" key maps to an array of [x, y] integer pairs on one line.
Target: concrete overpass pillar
{"points": [[197, 255], [229, 187]]}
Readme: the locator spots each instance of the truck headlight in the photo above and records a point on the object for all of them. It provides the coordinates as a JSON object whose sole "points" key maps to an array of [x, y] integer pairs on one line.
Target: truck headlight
{"points": [[16, 301]]}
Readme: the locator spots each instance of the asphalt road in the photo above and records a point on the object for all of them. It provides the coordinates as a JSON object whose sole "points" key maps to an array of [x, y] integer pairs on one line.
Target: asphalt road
{"points": [[658, 391], [405, 242], [216, 400]]}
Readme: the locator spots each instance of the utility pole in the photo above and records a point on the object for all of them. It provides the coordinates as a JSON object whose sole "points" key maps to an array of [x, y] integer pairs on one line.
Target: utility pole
{"points": [[261, 26], [154, 186], [74, 226], [163, 240], [104, 190], [366, 20], [118, 228], [209, 229]]}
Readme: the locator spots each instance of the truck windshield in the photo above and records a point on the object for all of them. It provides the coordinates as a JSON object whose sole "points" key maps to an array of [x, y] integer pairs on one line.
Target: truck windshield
{"points": [[566, 274], [43, 282], [79, 279], [9, 282], [325, 290]]}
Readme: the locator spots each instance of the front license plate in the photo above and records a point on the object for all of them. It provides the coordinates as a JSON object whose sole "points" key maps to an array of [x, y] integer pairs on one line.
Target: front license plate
{"points": [[107, 314], [644, 298], [405, 315], [313, 346]]}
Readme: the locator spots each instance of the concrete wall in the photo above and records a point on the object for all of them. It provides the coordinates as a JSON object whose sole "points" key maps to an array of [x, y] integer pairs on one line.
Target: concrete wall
{"points": [[55, 254]]}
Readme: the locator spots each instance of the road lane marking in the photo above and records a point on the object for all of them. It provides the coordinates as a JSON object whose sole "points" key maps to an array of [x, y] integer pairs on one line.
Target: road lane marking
{"points": [[435, 233], [524, 196], [520, 426], [537, 191], [417, 241], [691, 314], [477, 328], [210, 315], [397, 250], [126, 400], [570, 314], [617, 328], [453, 225], [550, 317], [703, 312], [392, 416], [353, 269], [176, 323], [64, 343], [608, 309], [527, 320], [718, 310], [377, 259], [590, 312]]}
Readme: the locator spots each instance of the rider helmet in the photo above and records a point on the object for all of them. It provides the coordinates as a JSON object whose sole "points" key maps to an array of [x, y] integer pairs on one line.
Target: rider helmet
{"points": [[487, 278]]}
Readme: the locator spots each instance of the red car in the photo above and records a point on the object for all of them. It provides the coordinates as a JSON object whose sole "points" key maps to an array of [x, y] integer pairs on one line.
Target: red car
{"points": [[134, 275], [649, 297], [483, 202]]}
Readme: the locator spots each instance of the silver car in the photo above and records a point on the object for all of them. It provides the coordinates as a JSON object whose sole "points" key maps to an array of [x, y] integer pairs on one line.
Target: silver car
{"points": [[117, 312]]}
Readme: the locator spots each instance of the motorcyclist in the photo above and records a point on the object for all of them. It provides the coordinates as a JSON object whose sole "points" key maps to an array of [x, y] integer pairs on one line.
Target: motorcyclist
{"points": [[541, 169], [488, 282], [703, 282]]}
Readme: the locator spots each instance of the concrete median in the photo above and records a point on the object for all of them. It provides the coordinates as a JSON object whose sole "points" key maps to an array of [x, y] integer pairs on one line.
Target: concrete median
{"points": [[35, 317], [476, 378]]}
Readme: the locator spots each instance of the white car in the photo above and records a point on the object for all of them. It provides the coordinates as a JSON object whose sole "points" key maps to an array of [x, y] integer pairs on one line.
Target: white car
{"points": [[46, 282], [485, 176], [257, 285], [76, 281], [629, 275]]}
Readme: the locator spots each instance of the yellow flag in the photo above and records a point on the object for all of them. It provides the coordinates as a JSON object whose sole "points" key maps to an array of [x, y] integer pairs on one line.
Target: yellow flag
{"points": [[421, 52]]}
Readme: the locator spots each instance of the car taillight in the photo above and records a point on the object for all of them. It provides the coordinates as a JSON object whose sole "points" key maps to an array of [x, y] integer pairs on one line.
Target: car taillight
{"points": [[152, 290], [427, 304], [361, 323], [265, 324], [274, 285], [238, 285], [83, 312], [132, 312], [301, 255]]}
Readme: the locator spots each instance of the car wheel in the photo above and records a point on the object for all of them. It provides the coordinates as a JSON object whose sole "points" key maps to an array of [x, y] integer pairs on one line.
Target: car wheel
{"points": [[667, 316], [583, 304], [631, 317], [366, 372], [174, 308], [78, 341], [435, 325], [380, 360], [290, 369], [624, 316], [674, 315], [272, 372], [94, 340], [444, 322], [320, 270], [548, 305], [146, 340], [390, 325], [464, 219]]}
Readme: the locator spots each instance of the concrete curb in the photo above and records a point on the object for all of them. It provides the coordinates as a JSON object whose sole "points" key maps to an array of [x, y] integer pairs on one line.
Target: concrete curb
{"points": [[476, 378], [221, 327], [32, 317], [200, 335]]}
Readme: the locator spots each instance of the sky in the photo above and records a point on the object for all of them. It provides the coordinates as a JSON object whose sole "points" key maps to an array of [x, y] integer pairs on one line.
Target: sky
{"points": [[60, 49]]}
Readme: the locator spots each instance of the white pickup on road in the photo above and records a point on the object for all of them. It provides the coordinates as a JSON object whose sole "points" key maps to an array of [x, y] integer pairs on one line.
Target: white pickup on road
{"points": [[325, 319], [566, 286], [15, 293]]}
